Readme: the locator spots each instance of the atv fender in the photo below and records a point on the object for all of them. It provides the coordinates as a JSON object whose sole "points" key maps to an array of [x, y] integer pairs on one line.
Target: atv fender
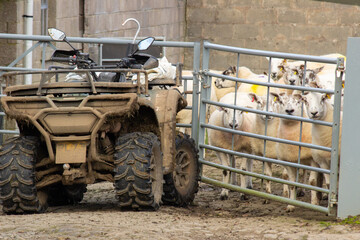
{"points": [[167, 104]]}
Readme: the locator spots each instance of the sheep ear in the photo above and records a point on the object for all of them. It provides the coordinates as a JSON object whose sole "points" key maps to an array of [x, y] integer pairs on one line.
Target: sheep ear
{"points": [[275, 97], [265, 73], [220, 108], [302, 67], [253, 97], [303, 97], [314, 85], [317, 70], [326, 96], [233, 68], [298, 96]]}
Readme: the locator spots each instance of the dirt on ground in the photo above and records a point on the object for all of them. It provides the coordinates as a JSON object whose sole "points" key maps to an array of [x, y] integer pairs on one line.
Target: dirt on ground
{"points": [[99, 217]]}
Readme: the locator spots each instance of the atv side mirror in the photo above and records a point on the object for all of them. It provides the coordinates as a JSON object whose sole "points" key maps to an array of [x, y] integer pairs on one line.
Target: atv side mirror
{"points": [[142, 45], [145, 43], [56, 34], [59, 35]]}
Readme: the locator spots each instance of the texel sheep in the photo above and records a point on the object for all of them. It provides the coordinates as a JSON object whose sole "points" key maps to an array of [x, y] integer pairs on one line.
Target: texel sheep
{"points": [[289, 129], [271, 131], [242, 121], [319, 107], [280, 66], [185, 115]]}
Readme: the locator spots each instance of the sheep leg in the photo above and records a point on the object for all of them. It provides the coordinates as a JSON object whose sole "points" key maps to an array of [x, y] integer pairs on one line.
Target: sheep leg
{"points": [[246, 164], [326, 165], [300, 192], [268, 172], [225, 160], [243, 178], [285, 176], [292, 177], [249, 167]]}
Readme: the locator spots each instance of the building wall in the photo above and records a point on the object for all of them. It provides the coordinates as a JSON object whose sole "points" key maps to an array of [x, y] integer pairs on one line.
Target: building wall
{"points": [[94, 18], [293, 26], [305, 27]]}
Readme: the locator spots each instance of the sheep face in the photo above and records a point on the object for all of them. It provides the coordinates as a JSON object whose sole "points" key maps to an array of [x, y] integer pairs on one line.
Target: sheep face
{"points": [[315, 103], [277, 68], [290, 105], [311, 75], [293, 75], [224, 83], [232, 118], [263, 105]]}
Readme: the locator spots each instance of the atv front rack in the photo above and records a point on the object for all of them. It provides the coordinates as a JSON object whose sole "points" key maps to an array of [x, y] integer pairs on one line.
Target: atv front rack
{"points": [[89, 86]]}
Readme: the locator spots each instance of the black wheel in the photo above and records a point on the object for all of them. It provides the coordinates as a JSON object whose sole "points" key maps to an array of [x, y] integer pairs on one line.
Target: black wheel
{"points": [[182, 184], [17, 176], [60, 195], [138, 171]]}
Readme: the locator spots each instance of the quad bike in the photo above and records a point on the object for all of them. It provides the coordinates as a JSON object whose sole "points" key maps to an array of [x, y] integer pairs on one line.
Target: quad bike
{"points": [[99, 126]]}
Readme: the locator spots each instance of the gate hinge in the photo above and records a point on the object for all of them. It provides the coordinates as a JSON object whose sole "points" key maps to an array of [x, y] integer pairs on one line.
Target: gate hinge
{"points": [[340, 65], [202, 78]]}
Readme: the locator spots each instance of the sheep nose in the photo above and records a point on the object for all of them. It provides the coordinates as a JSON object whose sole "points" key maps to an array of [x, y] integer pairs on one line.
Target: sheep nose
{"points": [[273, 75], [292, 82], [235, 125], [314, 113], [289, 111]]}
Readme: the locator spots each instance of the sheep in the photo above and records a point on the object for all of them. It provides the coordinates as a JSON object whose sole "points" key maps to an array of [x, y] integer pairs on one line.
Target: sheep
{"points": [[185, 116], [239, 120], [259, 128], [319, 107], [279, 66], [290, 129], [243, 72]]}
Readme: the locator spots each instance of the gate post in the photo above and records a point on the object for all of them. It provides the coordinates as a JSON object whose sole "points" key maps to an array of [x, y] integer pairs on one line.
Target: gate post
{"points": [[349, 192]]}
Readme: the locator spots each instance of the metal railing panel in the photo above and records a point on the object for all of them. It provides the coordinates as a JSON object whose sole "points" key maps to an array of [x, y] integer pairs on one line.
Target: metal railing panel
{"points": [[207, 76]]}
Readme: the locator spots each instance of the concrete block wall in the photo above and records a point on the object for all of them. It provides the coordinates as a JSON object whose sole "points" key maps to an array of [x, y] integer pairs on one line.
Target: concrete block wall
{"points": [[313, 27], [95, 18], [293, 26], [160, 18]]}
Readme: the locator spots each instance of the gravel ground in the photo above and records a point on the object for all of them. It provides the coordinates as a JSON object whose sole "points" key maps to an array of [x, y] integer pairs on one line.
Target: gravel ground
{"points": [[99, 217]]}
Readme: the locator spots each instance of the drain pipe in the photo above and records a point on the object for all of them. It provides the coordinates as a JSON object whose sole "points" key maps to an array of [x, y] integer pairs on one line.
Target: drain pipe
{"points": [[28, 26]]}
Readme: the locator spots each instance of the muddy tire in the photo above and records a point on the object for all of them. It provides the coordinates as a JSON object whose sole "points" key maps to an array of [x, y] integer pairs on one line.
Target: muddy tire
{"points": [[60, 195], [17, 176], [182, 184], [138, 171]]}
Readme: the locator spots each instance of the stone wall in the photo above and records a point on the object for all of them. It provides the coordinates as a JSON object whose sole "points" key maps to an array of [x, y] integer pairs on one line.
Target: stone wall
{"points": [[293, 26]]}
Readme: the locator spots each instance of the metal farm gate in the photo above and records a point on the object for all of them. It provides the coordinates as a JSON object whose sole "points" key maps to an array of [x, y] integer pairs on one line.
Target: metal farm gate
{"points": [[349, 205], [208, 76]]}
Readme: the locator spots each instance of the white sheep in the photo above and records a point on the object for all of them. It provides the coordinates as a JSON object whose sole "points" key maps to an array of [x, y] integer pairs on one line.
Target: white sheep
{"points": [[319, 107], [243, 72], [271, 131], [185, 116], [290, 130], [277, 69], [280, 66], [240, 120]]}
